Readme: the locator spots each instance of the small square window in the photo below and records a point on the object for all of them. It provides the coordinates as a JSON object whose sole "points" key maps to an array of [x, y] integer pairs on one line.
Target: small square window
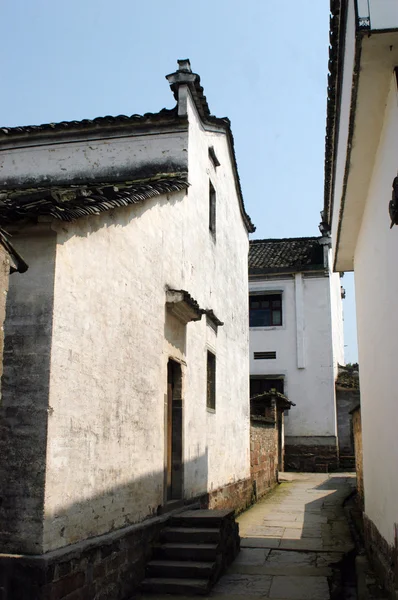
{"points": [[265, 310], [211, 380]]}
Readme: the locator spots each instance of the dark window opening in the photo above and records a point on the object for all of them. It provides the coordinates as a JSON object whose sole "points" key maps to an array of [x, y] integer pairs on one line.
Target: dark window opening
{"points": [[259, 386], [212, 209], [264, 355], [265, 310], [211, 380]]}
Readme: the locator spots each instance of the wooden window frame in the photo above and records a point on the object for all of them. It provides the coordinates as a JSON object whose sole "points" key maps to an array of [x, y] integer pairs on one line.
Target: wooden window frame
{"points": [[271, 297]]}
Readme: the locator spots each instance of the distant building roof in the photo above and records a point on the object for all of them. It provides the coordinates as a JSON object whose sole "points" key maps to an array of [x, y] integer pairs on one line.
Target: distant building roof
{"points": [[281, 400], [286, 254]]}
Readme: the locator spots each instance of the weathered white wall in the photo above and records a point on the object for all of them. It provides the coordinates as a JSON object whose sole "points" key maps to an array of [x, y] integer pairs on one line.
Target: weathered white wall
{"points": [[111, 344], [376, 290], [311, 388], [119, 157]]}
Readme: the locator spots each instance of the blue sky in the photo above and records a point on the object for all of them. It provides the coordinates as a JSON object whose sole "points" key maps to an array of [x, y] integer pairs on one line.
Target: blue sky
{"points": [[263, 63]]}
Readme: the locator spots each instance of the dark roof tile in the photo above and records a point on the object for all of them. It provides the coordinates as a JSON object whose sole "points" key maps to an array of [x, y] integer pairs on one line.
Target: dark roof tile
{"points": [[293, 254], [69, 203], [98, 122]]}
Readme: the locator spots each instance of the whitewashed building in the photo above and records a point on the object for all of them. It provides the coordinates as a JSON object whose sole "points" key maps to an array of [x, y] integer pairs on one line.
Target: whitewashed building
{"points": [[126, 375], [296, 342], [361, 212]]}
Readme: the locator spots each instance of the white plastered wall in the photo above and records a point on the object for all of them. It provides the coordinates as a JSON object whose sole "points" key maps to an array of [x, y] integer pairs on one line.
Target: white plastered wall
{"points": [[111, 348], [376, 290], [308, 383]]}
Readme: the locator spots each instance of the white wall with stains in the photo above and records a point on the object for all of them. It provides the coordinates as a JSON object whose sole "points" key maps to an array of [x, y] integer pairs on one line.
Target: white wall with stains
{"points": [[112, 338]]}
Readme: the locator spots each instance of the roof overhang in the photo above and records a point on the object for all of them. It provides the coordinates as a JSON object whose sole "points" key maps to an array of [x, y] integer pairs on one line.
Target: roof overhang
{"points": [[182, 306], [376, 59]]}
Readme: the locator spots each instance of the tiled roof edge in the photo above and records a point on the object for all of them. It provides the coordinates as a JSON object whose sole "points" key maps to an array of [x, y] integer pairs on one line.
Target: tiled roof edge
{"points": [[96, 123], [337, 12], [101, 198], [293, 239]]}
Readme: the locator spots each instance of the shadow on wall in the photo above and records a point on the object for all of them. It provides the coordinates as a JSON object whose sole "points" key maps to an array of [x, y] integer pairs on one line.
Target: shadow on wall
{"points": [[118, 217], [103, 566]]}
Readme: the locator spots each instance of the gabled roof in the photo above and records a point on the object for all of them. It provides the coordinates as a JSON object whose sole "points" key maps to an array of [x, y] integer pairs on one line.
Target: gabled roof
{"points": [[285, 255], [183, 76], [68, 203]]}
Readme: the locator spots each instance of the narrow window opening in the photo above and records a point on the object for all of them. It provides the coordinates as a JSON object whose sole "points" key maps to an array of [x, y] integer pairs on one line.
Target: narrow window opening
{"points": [[211, 380], [212, 209]]}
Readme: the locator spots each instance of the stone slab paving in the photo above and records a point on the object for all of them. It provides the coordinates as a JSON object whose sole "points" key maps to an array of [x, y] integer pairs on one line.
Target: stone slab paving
{"points": [[290, 541]]}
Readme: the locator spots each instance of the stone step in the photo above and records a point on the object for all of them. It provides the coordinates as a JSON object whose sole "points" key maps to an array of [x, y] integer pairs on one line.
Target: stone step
{"points": [[202, 518], [179, 569], [347, 462], [191, 534], [180, 587], [179, 551]]}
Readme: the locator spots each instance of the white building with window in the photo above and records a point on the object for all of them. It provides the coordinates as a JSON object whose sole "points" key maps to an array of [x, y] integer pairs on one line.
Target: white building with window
{"points": [[296, 342]]}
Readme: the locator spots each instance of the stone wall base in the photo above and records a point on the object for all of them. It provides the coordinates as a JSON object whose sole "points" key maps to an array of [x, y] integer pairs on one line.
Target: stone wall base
{"points": [[311, 454], [237, 496], [108, 567], [382, 556]]}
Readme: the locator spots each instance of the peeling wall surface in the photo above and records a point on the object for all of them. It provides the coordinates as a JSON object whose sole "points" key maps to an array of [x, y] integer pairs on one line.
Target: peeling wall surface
{"points": [[112, 338], [376, 291], [307, 368]]}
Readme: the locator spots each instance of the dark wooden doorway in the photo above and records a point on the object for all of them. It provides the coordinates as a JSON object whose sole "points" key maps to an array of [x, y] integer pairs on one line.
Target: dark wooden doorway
{"points": [[174, 432]]}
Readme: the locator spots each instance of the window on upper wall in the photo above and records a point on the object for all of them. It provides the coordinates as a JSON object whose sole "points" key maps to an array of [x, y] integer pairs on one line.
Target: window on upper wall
{"points": [[265, 310], [212, 209], [211, 381]]}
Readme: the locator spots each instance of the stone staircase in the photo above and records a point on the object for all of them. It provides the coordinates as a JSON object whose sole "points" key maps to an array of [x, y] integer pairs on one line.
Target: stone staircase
{"points": [[347, 463], [194, 549]]}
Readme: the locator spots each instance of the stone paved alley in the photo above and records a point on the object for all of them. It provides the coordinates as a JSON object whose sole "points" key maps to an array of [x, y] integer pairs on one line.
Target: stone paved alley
{"points": [[290, 541]]}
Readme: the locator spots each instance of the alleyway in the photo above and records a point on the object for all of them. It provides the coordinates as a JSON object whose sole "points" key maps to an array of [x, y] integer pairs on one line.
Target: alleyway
{"points": [[290, 542]]}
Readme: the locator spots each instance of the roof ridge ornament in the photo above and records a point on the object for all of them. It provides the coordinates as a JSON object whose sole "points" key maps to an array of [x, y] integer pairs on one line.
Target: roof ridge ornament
{"points": [[184, 64]]}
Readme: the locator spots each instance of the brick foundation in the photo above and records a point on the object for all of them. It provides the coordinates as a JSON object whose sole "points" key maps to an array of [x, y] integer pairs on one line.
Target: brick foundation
{"points": [[311, 458], [382, 556], [237, 496], [108, 567]]}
